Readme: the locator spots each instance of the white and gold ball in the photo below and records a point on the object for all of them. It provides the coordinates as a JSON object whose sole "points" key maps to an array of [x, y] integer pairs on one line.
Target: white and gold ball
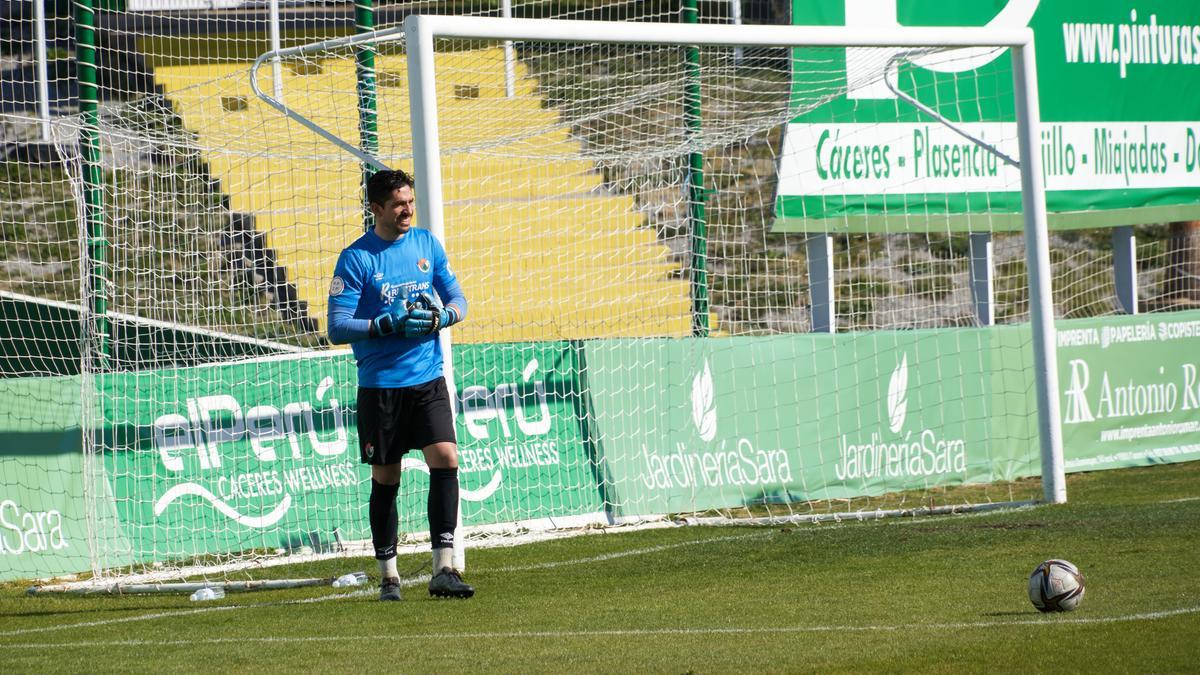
{"points": [[1056, 586]]}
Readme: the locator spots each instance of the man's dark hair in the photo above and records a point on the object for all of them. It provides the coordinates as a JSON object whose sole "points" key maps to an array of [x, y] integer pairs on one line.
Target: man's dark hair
{"points": [[381, 185]]}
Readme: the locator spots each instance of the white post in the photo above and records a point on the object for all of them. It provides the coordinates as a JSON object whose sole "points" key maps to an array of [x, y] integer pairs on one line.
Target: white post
{"points": [[276, 64], [735, 17], [510, 69], [1037, 259], [422, 94], [1125, 268], [43, 77], [427, 169], [820, 282]]}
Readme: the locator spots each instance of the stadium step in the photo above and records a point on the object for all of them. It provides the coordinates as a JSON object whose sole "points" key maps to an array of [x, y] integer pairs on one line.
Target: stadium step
{"points": [[538, 217]]}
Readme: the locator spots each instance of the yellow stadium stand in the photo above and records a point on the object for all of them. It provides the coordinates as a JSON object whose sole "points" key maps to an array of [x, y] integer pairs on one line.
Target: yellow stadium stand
{"points": [[542, 249]]}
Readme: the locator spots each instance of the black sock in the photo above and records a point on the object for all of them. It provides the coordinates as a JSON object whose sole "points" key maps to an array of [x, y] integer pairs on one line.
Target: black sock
{"points": [[443, 506], [384, 519]]}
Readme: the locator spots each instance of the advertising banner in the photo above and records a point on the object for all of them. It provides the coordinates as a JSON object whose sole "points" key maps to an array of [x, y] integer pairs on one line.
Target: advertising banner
{"points": [[1119, 145], [1130, 390], [264, 453], [688, 425], [522, 430], [42, 523], [258, 454]]}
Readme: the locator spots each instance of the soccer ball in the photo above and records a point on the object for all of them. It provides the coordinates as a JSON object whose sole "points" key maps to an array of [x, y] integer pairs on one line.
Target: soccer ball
{"points": [[1056, 586]]}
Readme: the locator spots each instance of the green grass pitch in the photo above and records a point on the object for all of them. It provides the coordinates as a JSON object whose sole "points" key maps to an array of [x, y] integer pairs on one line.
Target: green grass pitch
{"points": [[943, 594]]}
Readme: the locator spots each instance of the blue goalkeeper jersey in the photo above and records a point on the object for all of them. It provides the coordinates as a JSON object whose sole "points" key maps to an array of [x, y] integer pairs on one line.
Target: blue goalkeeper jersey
{"points": [[372, 277]]}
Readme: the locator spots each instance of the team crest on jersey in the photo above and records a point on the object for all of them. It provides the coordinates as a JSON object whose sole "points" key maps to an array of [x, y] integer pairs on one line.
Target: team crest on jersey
{"points": [[337, 286], [423, 265]]}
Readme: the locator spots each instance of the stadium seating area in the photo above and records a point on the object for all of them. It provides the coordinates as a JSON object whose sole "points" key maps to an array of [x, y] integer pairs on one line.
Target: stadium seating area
{"points": [[529, 237]]}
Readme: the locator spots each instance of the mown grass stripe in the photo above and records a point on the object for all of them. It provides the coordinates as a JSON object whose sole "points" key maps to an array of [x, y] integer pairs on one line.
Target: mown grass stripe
{"points": [[615, 632]]}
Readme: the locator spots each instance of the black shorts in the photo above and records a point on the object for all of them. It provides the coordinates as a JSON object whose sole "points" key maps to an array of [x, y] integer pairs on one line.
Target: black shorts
{"points": [[393, 421]]}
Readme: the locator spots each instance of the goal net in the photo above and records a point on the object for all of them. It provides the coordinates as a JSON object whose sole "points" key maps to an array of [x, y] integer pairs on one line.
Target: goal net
{"points": [[659, 327], [642, 341]]}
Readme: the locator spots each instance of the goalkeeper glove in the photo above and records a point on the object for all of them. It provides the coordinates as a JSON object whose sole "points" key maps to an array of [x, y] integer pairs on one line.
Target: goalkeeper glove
{"points": [[442, 317], [409, 323]]}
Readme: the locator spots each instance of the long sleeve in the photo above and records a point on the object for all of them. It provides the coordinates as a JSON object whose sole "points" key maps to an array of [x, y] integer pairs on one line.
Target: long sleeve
{"points": [[446, 284], [344, 292], [344, 328]]}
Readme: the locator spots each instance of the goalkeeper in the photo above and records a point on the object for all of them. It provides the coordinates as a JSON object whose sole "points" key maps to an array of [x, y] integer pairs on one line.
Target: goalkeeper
{"points": [[382, 302]]}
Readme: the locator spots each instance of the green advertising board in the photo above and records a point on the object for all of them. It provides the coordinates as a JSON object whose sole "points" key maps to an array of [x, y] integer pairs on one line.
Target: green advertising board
{"points": [[264, 453], [43, 528], [1120, 137], [1130, 390], [522, 429], [697, 423], [253, 455]]}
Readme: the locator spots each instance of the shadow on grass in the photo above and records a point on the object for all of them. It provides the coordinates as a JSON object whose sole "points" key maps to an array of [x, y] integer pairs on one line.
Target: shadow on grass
{"points": [[92, 609]]}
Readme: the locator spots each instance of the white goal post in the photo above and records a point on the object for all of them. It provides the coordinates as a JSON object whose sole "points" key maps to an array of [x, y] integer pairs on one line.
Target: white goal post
{"points": [[420, 32]]}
